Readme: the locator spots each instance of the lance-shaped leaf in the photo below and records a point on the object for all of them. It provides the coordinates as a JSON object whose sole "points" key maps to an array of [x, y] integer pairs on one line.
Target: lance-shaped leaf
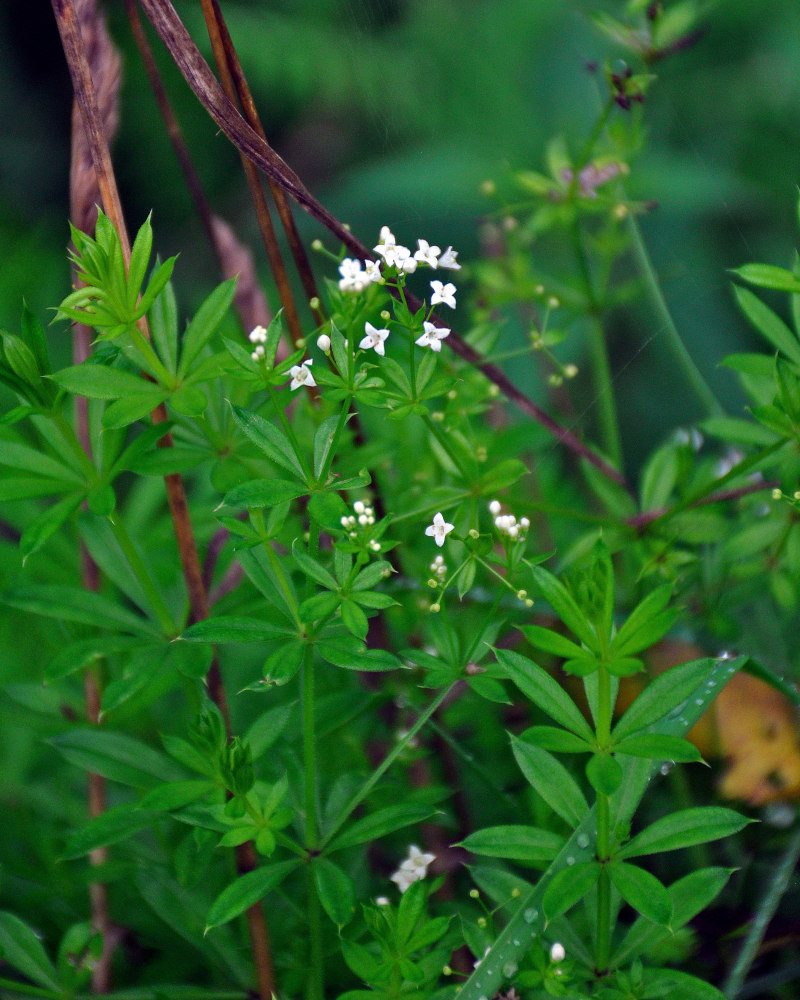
{"points": [[517, 843], [548, 776], [246, 890], [684, 829], [546, 693], [336, 891], [272, 441], [642, 891], [204, 324], [233, 628], [23, 951], [116, 756], [568, 886]]}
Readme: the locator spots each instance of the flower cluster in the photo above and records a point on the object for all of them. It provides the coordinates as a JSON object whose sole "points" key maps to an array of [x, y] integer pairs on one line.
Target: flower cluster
{"points": [[257, 336], [356, 275], [438, 570], [507, 524], [363, 516], [413, 869]]}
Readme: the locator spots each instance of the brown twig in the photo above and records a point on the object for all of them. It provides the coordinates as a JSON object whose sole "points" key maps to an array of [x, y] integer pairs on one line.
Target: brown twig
{"points": [[69, 30], [224, 47], [647, 517], [263, 216], [104, 66], [197, 74]]}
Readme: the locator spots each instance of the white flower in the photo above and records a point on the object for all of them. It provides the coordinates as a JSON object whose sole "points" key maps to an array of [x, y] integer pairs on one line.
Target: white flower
{"points": [[494, 507], [374, 339], [372, 269], [258, 335], [448, 260], [258, 352], [557, 952], [413, 869], [433, 336], [301, 375], [324, 343], [439, 530], [443, 293], [403, 260], [382, 901], [387, 247], [353, 278], [427, 254]]}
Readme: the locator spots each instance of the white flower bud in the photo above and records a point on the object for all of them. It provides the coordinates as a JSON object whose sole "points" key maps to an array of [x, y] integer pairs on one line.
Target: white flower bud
{"points": [[324, 343], [494, 507], [557, 952]]}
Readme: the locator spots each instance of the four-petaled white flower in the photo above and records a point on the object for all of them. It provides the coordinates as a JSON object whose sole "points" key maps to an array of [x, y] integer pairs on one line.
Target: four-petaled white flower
{"points": [[403, 260], [301, 375], [353, 278], [443, 293], [413, 869], [448, 260], [372, 269], [387, 245], [427, 254], [374, 339], [439, 530], [433, 336]]}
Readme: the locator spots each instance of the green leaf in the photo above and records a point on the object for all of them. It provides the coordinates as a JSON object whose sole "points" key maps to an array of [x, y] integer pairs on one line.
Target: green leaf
{"points": [[266, 730], [140, 258], [319, 606], [371, 575], [233, 628], [552, 738], [115, 756], [115, 824], [323, 442], [156, 284], [129, 409], [99, 381], [517, 843], [259, 493], [336, 891], [768, 276], [685, 828], [689, 896], [670, 984], [47, 523], [21, 456], [204, 324], [547, 694], [282, 665], [663, 696], [246, 890], [502, 475], [411, 909], [569, 886], [644, 625], [76, 605], [165, 461], [313, 569], [348, 652], [273, 442], [327, 509], [380, 823], [563, 603], [659, 477], [768, 323], [642, 891], [33, 334], [604, 773], [656, 747], [175, 795], [551, 780], [164, 328], [23, 951], [188, 400], [354, 619], [551, 642]]}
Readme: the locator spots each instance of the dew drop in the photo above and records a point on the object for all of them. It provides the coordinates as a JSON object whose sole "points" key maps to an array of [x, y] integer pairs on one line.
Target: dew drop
{"points": [[570, 860], [667, 766], [516, 943], [583, 840], [698, 701], [530, 915], [510, 969]]}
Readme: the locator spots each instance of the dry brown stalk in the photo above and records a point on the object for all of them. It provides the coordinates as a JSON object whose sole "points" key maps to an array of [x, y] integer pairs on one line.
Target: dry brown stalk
{"points": [[263, 216], [224, 48], [197, 74], [104, 65], [80, 73]]}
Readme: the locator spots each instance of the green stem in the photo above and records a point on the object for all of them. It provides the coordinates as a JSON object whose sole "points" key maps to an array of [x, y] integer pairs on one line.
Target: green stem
{"points": [[165, 378], [681, 356], [315, 987], [383, 767], [142, 574], [764, 914], [603, 942]]}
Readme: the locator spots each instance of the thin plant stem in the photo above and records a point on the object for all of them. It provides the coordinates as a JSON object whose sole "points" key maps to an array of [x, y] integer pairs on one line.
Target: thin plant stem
{"points": [[383, 767], [765, 913], [315, 987], [603, 922], [674, 342]]}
